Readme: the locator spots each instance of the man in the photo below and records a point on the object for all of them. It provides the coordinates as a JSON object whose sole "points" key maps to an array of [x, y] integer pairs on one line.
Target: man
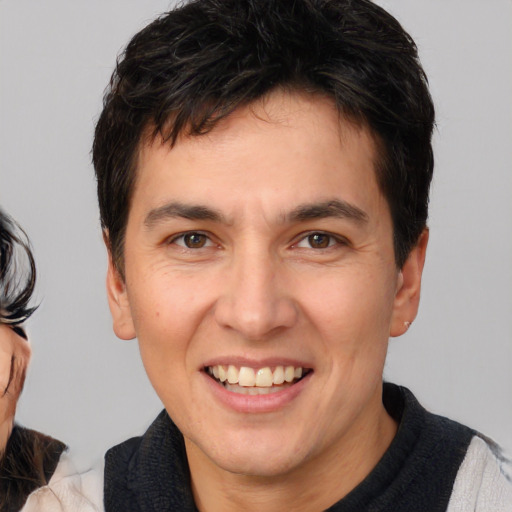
{"points": [[263, 174]]}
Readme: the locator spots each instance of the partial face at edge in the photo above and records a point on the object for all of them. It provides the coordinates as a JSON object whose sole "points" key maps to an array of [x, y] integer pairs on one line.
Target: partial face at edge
{"points": [[14, 359], [265, 244]]}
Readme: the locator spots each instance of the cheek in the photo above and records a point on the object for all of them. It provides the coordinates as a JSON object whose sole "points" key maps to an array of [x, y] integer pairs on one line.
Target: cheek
{"points": [[352, 311], [167, 305], [167, 311]]}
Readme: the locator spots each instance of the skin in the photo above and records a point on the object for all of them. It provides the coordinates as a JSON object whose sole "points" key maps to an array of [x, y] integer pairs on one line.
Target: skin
{"points": [[258, 292], [14, 359]]}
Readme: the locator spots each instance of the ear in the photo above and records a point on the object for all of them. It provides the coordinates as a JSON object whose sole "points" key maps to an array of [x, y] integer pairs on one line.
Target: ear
{"points": [[122, 321], [407, 298]]}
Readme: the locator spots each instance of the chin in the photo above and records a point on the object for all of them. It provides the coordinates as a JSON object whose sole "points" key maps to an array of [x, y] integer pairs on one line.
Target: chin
{"points": [[256, 456], [258, 466]]}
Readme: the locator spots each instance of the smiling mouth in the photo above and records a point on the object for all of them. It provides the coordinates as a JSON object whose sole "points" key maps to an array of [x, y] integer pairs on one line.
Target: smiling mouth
{"points": [[260, 381]]}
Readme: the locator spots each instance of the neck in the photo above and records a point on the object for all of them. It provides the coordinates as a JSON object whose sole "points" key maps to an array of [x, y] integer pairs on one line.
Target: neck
{"points": [[317, 484]]}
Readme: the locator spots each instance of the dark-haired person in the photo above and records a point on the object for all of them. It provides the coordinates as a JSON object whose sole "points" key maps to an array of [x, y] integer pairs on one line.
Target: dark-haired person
{"points": [[35, 472], [263, 177], [28, 459]]}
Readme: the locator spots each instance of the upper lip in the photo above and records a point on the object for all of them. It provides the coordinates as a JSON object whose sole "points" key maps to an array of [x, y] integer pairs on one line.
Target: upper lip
{"points": [[256, 363]]}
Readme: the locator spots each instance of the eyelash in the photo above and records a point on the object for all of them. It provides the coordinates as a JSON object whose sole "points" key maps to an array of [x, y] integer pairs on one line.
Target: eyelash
{"points": [[332, 240], [181, 236]]}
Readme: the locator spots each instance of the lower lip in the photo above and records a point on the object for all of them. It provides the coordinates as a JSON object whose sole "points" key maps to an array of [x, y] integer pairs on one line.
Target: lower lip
{"points": [[256, 403]]}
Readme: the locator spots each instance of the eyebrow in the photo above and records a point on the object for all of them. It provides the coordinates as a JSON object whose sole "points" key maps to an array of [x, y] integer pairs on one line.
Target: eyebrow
{"points": [[176, 209], [333, 208], [337, 208]]}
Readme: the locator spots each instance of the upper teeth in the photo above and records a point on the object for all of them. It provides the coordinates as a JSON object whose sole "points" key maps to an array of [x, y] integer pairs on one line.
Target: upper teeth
{"points": [[249, 377]]}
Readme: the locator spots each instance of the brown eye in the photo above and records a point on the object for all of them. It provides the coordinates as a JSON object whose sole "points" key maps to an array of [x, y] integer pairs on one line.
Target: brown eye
{"points": [[194, 240], [319, 240]]}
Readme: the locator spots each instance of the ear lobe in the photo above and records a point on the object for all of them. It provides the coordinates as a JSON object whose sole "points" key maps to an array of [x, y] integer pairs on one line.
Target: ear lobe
{"points": [[122, 321], [407, 298]]}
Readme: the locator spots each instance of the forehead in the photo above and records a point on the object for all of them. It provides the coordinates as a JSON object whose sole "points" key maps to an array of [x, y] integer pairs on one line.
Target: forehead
{"points": [[282, 149]]}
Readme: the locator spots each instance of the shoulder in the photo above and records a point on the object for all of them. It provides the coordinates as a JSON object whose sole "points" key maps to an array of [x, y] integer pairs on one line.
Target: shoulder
{"points": [[126, 457], [68, 490], [483, 482], [28, 463], [149, 472]]}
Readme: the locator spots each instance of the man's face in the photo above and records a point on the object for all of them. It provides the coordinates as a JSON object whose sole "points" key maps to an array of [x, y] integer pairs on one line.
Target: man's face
{"points": [[264, 251]]}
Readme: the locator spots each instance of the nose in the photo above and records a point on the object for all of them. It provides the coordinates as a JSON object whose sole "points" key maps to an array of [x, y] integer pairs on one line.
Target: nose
{"points": [[255, 301]]}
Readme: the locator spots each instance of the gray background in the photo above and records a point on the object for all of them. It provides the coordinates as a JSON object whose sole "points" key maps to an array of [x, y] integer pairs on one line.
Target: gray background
{"points": [[88, 388]]}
